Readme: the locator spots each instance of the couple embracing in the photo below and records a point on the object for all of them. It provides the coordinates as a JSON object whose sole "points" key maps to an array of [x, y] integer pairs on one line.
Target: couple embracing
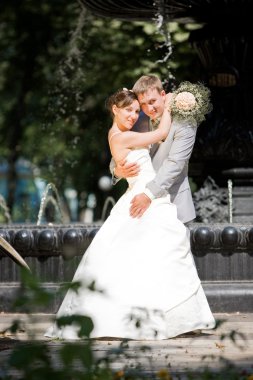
{"points": [[140, 260]]}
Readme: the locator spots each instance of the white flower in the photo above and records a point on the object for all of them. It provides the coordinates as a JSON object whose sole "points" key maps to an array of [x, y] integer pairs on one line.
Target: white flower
{"points": [[185, 101], [190, 101]]}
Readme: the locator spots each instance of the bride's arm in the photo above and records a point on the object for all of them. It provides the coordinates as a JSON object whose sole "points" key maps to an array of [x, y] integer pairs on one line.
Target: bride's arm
{"points": [[131, 139]]}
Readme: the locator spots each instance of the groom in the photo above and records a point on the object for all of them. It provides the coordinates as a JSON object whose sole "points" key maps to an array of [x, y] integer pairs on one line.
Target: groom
{"points": [[170, 158]]}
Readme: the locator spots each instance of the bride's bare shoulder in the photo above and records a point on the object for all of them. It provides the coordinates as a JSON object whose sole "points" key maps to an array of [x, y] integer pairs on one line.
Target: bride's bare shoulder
{"points": [[113, 133]]}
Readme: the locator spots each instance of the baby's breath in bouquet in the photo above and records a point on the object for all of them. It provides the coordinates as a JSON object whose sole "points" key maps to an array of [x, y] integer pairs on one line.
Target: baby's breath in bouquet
{"points": [[191, 101]]}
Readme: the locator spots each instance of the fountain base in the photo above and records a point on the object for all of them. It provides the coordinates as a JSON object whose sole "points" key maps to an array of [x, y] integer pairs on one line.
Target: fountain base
{"points": [[222, 253], [223, 297]]}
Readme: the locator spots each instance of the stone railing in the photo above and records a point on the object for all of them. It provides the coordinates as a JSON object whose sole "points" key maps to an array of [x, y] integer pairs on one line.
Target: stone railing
{"points": [[223, 255], [73, 240]]}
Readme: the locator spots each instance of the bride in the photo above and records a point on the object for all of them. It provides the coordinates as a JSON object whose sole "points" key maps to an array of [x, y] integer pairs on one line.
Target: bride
{"points": [[146, 283]]}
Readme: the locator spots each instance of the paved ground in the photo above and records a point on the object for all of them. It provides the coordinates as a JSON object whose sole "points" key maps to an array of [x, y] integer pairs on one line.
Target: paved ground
{"points": [[231, 342]]}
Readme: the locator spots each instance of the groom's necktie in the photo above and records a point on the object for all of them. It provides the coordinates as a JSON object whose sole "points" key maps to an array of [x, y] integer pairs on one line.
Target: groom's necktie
{"points": [[153, 124]]}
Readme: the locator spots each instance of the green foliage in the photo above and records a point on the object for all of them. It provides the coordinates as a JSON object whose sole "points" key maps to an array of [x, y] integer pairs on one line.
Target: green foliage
{"points": [[84, 323], [58, 65]]}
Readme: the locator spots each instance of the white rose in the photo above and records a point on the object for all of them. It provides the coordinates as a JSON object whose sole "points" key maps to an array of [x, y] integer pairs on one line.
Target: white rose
{"points": [[185, 101]]}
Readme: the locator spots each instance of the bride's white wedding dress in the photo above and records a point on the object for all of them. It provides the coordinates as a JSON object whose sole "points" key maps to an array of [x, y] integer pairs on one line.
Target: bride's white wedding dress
{"points": [[145, 268]]}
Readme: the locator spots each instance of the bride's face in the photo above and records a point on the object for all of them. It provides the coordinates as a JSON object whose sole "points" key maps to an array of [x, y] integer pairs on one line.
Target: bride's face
{"points": [[127, 116]]}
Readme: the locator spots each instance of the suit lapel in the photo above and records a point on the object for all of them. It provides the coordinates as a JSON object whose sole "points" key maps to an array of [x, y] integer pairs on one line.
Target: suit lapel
{"points": [[152, 126]]}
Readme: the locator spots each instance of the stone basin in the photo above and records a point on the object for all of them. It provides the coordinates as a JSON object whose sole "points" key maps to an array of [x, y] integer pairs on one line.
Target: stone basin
{"points": [[222, 252]]}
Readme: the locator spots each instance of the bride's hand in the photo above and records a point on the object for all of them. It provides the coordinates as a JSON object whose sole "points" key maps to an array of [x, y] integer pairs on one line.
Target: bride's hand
{"points": [[165, 122], [168, 99]]}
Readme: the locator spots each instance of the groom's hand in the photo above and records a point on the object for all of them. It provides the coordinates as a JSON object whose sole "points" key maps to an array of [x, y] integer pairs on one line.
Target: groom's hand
{"points": [[139, 204], [126, 169]]}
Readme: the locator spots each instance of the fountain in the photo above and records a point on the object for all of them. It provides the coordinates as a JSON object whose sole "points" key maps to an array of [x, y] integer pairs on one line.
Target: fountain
{"points": [[5, 210], [53, 251], [108, 201], [223, 149], [230, 200], [50, 205], [222, 249]]}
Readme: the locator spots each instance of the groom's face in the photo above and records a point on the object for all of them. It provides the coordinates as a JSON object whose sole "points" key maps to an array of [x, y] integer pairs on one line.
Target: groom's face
{"points": [[152, 103]]}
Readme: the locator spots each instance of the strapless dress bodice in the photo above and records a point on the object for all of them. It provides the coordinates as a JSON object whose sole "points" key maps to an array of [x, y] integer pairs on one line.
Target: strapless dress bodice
{"points": [[142, 158]]}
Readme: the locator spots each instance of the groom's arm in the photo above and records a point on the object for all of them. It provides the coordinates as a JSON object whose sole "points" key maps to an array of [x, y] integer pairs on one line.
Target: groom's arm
{"points": [[169, 171], [123, 170]]}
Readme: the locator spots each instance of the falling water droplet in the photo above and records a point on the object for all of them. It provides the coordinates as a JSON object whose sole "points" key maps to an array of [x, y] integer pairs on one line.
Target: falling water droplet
{"points": [[161, 20]]}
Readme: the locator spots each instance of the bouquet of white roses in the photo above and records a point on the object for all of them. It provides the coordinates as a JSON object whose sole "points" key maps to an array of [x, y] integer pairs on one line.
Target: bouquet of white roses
{"points": [[191, 101]]}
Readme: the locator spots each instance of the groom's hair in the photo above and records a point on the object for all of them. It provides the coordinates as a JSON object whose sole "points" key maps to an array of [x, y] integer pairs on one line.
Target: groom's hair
{"points": [[147, 82]]}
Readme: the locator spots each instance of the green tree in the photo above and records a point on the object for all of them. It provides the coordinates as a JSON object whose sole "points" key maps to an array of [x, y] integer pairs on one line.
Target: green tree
{"points": [[59, 64]]}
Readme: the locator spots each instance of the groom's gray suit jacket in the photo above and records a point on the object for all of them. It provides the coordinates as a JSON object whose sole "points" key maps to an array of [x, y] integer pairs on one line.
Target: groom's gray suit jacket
{"points": [[170, 160]]}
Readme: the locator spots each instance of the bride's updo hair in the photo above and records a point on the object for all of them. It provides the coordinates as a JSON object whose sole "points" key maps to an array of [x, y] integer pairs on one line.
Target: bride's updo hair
{"points": [[121, 98]]}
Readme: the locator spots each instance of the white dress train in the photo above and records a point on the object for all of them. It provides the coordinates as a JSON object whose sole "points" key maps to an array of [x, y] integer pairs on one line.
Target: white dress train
{"points": [[146, 271]]}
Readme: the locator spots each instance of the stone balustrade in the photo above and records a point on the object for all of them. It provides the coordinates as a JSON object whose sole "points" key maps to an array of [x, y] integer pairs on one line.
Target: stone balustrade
{"points": [[72, 240], [222, 253]]}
